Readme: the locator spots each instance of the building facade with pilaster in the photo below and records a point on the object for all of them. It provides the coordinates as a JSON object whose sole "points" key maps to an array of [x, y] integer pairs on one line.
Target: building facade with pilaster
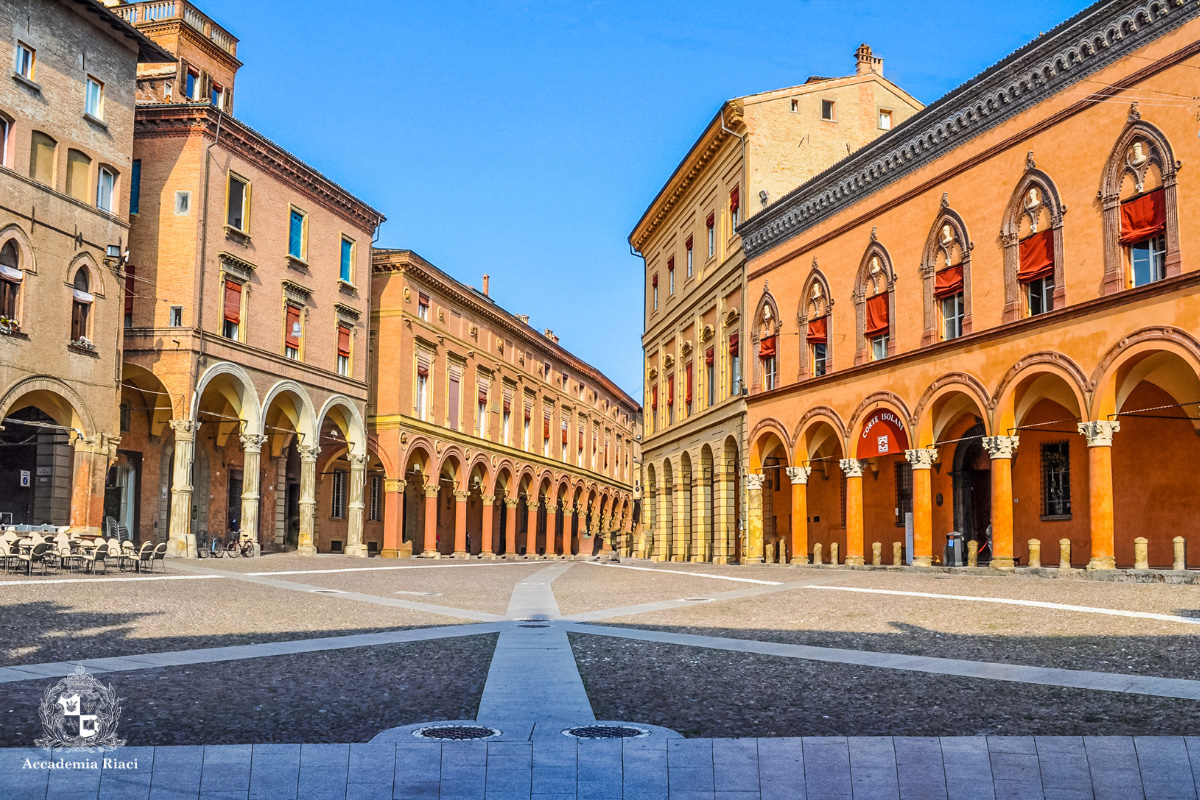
{"points": [[985, 323], [488, 437], [695, 343]]}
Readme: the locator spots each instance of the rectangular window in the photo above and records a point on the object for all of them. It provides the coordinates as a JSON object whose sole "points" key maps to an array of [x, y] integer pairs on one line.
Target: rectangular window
{"points": [[130, 291], [952, 316], [769, 373], [879, 347], [526, 437], [347, 264], [423, 362], [135, 186], [546, 436], [337, 505], [25, 61], [828, 107], [711, 226], [1148, 260], [885, 120], [93, 98], [710, 383], [183, 202], [563, 443], [423, 306], [671, 275], [5, 129], [1056, 479], [505, 423], [481, 419], [233, 310], [297, 233], [795, 105], [735, 367], [217, 96], [452, 399], [688, 246], [106, 183], [176, 319], [1041, 295], [343, 349], [292, 331], [375, 498], [819, 359], [237, 203], [192, 85], [904, 491], [735, 205], [654, 291]]}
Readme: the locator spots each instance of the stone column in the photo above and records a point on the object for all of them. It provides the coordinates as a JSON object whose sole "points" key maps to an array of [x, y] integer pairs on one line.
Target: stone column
{"points": [[1002, 449], [181, 542], [662, 531], [531, 529], [852, 468], [1099, 435], [725, 514], [251, 480], [754, 521], [510, 525], [552, 529], [356, 506], [922, 461], [429, 548], [90, 464], [393, 514], [567, 524], [460, 523], [487, 532], [701, 515], [799, 478], [305, 545]]}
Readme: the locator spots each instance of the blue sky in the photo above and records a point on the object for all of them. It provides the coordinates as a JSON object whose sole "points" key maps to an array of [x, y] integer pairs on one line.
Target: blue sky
{"points": [[525, 139]]}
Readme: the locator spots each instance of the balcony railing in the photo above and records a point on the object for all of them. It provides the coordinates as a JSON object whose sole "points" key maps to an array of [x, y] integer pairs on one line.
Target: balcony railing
{"points": [[159, 10]]}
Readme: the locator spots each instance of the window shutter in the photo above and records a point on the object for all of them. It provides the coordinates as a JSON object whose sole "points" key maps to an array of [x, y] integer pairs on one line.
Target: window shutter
{"points": [[546, 427], [233, 301], [290, 336], [1036, 257], [452, 411], [343, 341], [1143, 217], [877, 316], [528, 413]]}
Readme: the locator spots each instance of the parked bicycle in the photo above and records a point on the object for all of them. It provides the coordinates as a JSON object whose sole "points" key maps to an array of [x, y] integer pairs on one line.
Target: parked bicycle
{"points": [[209, 546], [239, 543]]}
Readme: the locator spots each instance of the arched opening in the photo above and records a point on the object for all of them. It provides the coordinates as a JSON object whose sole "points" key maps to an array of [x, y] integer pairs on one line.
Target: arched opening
{"points": [[818, 447], [769, 457], [705, 543], [227, 408], [730, 517], [503, 541], [683, 549], [476, 489], [419, 494], [649, 542], [667, 516], [288, 423]]}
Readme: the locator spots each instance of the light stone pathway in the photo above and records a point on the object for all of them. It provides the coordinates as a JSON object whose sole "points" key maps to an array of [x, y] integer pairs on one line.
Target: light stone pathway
{"points": [[534, 691]]}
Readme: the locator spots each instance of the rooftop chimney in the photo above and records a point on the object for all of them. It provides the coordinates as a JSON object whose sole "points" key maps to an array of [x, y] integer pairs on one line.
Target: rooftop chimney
{"points": [[523, 317], [485, 283], [867, 62], [550, 335]]}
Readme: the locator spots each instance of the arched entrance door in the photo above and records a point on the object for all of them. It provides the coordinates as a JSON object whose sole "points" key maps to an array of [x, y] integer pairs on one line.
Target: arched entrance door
{"points": [[972, 477]]}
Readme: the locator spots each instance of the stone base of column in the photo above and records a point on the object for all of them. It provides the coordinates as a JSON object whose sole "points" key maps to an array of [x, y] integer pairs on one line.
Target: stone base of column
{"points": [[430, 554], [753, 560], [488, 556], [854, 561], [922, 561], [306, 550], [357, 551], [720, 559], [657, 558], [799, 561], [1003, 562], [387, 553], [1101, 563], [677, 558], [697, 559], [182, 548], [461, 554]]}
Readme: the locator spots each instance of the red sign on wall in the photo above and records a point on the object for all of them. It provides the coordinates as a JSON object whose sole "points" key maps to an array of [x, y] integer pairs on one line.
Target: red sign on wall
{"points": [[883, 434]]}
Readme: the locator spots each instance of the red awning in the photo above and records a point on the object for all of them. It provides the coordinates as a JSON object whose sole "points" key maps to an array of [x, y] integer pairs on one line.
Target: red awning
{"points": [[877, 316], [733, 344], [343, 341], [711, 221], [546, 428], [233, 301], [688, 243], [654, 281], [291, 328], [708, 357], [670, 390], [948, 282], [1143, 217], [670, 263], [1036, 257], [483, 394], [687, 396], [766, 347], [735, 198], [818, 331]]}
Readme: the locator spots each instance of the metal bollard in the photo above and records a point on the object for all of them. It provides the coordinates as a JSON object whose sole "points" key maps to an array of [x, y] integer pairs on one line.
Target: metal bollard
{"points": [[1035, 554], [972, 553], [1141, 558], [1064, 553], [897, 550], [877, 554], [833, 553], [817, 553], [1180, 554]]}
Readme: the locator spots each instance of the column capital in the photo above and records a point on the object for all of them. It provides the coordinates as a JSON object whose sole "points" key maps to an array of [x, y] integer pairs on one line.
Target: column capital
{"points": [[1099, 433], [799, 474], [533, 506], [308, 452], [393, 486], [185, 428], [922, 458], [488, 499], [754, 481], [253, 442], [461, 496], [511, 502], [431, 490], [851, 467], [357, 460], [1001, 446], [568, 509]]}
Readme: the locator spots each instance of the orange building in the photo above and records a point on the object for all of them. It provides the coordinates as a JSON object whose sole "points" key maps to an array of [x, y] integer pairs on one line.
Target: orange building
{"points": [[488, 437], [984, 322]]}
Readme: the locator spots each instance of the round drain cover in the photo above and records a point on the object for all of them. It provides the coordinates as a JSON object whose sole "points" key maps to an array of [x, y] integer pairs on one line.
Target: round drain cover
{"points": [[455, 733], [606, 732], [533, 626]]}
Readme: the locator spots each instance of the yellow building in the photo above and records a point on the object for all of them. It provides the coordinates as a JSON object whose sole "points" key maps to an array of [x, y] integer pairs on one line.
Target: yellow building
{"points": [[754, 150]]}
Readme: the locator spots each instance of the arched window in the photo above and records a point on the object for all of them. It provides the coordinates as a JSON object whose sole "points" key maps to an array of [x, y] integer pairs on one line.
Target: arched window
{"points": [[81, 306], [1033, 247], [41, 158], [1141, 224], [79, 174], [874, 310], [816, 310], [11, 277], [946, 278], [766, 336]]}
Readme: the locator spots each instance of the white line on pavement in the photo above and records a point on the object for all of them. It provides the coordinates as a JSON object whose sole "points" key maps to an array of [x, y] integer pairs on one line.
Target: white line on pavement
{"points": [[1115, 612], [684, 572], [377, 569], [113, 580]]}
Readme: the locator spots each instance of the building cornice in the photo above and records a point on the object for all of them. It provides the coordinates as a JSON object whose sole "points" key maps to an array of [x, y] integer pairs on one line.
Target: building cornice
{"points": [[1084, 44], [186, 119], [177, 26]]}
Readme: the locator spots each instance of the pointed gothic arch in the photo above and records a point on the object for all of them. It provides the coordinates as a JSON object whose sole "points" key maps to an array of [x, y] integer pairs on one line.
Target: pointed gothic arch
{"points": [[815, 317], [1032, 226], [876, 277], [764, 333], [946, 272]]}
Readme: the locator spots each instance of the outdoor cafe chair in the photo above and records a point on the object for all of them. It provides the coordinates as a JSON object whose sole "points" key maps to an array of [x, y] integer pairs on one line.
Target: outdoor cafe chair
{"points": [[143, 558], [97, 556], [36, 555], [160, 554]]}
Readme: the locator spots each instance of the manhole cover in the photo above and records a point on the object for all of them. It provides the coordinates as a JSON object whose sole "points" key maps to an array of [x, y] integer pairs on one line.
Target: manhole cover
{"points": [[606, 732], [455, 733], [533, 626]]}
